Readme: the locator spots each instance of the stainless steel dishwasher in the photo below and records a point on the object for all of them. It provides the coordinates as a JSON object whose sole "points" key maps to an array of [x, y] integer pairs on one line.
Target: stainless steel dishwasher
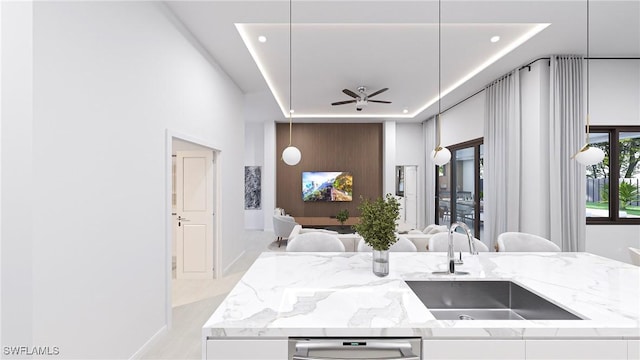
{"points": [[356, 348]]}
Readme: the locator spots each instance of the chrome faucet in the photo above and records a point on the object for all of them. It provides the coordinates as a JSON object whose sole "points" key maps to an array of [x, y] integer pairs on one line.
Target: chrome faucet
{"points": [[450, 253]]}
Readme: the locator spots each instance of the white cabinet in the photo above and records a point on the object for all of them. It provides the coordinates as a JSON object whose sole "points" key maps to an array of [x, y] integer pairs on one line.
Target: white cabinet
{"points": [[247, 349], [576, 349], [633, 349], [473, 349], [531, 349]]}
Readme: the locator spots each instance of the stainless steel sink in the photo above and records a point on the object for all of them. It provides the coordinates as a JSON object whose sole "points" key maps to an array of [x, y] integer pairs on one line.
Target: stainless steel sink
{"points": [[485, 300]]}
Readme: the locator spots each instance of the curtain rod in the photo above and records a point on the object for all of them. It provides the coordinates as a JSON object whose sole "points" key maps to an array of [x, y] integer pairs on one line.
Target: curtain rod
{"points": [[528, 66], [586, 58]]}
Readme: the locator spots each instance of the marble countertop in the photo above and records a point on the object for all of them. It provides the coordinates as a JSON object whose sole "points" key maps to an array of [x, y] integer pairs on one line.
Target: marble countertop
{"points": [[337, 294]]}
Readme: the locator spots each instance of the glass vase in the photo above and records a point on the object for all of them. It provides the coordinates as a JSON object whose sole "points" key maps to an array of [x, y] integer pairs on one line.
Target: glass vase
{"points": [[381, 262]]}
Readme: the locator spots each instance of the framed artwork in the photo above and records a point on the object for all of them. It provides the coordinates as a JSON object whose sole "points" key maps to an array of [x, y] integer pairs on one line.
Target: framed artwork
{"points": [[252, 187]]}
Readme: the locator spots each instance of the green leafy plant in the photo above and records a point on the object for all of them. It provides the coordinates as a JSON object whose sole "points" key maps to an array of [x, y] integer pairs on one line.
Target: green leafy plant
{"points": [[342, 216], [378, 221], [627, 193]]}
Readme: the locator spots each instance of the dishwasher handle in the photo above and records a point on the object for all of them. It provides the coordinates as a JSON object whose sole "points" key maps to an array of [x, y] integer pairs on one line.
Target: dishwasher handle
{"points": [[304, 348]]}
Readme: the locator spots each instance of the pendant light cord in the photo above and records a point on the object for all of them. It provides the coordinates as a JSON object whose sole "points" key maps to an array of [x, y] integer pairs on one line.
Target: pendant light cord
{"points": [[439, 70], [290, 72], [588, 116]]}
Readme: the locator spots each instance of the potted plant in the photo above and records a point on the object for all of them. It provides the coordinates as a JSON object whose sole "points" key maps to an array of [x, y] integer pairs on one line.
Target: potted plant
{"points": [[342, 216], [377, 227]]}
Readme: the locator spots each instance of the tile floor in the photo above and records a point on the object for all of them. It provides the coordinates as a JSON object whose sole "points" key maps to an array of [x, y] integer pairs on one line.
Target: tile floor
{"points": [[195, 300]]}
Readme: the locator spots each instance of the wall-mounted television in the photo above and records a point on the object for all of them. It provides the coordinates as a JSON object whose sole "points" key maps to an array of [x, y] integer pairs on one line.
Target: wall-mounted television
{"points": [[327, 186]]}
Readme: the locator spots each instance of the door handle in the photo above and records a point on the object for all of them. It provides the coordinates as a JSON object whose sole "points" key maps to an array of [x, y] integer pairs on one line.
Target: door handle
{"points": [[181, 219], [303, 349]]}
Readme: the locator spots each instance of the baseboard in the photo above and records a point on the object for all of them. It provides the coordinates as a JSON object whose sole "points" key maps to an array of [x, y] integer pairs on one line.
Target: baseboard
{"points": [[152, 341], [225, 271]]}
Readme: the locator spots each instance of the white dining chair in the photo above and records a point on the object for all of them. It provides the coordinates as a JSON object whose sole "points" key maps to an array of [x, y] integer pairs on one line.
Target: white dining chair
{"points": [[523, 242], [315, 241], [402, 245], [440, 242]]}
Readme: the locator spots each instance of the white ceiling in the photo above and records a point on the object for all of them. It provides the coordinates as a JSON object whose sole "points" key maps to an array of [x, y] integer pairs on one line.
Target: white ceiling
{"points": [[394, 44]]}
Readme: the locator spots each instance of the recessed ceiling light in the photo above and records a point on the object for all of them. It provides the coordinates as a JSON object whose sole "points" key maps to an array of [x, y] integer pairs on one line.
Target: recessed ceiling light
{"points": [[495, 39], [262, 38], [404, 111], [292, 111]]}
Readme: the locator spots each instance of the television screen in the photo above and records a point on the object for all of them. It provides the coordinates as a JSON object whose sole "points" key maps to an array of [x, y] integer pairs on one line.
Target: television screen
{"points": [[327, 186]]}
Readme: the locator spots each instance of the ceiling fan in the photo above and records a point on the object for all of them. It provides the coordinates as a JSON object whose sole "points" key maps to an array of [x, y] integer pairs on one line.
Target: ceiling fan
{"points": [[361, 99]]}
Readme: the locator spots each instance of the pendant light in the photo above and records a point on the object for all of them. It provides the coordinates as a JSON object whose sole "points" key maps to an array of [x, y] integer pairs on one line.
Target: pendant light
{"points": [[291, 154], [440, 155], [588, 155]]}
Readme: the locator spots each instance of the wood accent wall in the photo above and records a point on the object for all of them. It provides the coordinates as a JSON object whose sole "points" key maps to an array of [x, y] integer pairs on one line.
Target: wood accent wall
{"points": [[356, 148]]}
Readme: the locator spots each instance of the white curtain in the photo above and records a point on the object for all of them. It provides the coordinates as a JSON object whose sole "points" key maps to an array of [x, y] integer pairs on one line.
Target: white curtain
{"points": [[502, 157], [566, 134], [429, 134]]}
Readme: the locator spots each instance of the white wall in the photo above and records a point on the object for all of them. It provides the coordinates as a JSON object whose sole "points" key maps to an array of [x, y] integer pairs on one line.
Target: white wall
{"points": [[410, 151], [269, 174], [615, 92], [409, 144], [254, 156], [16, 118], [108, 80], [464, 122], [260, 110], [389, 157]]}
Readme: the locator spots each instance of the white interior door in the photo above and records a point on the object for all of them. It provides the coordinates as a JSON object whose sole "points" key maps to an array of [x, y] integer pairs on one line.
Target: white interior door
{"points": [[411, 195], [194, 209]]}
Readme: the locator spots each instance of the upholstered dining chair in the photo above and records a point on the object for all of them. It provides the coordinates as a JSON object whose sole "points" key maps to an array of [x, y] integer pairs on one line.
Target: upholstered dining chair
{"points": [[402, 245], [522, 242], [315, 241], [282, 226], [440, 242]]}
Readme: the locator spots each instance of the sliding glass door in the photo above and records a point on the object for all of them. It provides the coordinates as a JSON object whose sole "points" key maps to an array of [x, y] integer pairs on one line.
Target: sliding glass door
{"points": [[459, 187]]}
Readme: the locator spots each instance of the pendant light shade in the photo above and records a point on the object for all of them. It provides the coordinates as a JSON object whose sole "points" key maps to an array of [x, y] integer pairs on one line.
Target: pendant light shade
{"points": [[440, 155], [587, 155], [291, 155]]}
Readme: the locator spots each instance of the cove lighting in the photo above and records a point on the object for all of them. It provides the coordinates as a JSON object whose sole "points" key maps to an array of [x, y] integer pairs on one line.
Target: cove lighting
{"points": [[495, 39], [504, 51], [262, 39], [244, 34]]}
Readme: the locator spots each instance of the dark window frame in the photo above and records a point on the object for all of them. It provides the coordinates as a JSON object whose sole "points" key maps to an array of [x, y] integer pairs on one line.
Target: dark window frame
{"points": [[475, 143], [614, 177]]}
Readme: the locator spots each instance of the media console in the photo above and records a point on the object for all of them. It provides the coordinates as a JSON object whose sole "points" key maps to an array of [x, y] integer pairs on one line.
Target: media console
{"points": [[323, 221]]}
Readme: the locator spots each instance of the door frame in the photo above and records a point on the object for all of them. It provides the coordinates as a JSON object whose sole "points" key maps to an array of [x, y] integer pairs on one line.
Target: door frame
{"points": [[170, 135]]}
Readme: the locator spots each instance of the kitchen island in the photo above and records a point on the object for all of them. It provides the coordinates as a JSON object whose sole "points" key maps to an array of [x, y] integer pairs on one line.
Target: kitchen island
{"points": [[285, 295]]}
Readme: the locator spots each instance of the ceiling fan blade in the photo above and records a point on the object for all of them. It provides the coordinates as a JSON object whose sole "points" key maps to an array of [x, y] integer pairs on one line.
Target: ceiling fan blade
{"points": [[378, 92], [350, 93], [343, 102], [380, 101]]}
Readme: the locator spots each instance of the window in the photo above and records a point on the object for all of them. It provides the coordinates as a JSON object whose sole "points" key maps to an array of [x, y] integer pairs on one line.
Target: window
{"points": [[459, 195], [613, 186]]}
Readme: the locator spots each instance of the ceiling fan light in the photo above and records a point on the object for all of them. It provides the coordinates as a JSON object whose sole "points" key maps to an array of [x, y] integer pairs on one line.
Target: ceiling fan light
{"points": [[440, 155], [589, 156], [291, 155]]}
